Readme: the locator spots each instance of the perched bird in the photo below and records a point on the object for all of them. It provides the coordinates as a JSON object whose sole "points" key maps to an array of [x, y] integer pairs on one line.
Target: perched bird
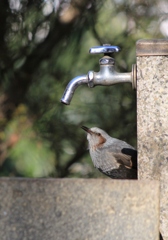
{"points": [[113, 157]]}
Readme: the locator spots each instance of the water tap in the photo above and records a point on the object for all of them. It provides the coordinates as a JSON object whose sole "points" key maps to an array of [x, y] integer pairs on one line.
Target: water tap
{"points": [[107, 75]]}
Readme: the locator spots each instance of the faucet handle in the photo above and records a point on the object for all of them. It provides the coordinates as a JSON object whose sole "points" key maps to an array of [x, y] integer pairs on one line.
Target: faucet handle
{"points": [[106, 49]]}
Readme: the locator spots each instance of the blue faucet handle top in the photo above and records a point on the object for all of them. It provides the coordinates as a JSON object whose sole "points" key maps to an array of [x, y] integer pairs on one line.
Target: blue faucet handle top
{"points": [[106, 49]]}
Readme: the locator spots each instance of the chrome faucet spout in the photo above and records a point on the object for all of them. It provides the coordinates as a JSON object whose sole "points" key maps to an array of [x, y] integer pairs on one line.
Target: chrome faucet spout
{"points": [[71, 87], [107, 75]]}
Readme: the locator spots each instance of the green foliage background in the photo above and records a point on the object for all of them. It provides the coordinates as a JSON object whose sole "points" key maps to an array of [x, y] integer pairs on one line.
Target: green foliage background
{"points": [[44, 45]]}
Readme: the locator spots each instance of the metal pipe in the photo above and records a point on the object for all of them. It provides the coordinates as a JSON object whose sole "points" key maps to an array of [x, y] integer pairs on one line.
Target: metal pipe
{"points": [[107, 76], [71, 87]]}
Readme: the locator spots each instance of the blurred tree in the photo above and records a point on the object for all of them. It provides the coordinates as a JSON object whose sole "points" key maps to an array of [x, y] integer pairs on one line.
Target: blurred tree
{"points": [[44, 44]]}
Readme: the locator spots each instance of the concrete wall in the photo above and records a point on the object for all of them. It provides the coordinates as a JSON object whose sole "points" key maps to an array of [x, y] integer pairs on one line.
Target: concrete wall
{"points": [[78, 209], [152, 118]]}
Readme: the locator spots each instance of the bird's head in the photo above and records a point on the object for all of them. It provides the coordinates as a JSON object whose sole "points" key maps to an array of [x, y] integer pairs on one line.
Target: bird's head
{"points": [[95, 136]]}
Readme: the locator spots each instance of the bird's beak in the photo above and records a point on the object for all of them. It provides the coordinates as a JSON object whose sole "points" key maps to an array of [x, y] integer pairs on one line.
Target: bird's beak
{"points": [[87, 129]]}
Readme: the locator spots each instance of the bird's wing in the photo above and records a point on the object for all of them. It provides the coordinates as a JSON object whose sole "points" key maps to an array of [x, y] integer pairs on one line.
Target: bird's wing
{"points": [[124, 155], [133, 155], [123, 159]]}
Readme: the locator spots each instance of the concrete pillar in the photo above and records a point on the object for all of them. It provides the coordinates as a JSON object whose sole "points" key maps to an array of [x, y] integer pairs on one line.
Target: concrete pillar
{"points": [[152, 118], [71, 209]]}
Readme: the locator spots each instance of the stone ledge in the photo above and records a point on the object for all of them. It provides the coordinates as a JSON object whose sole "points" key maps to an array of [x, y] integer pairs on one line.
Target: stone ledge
{"points": [[78, 209], [152, 47]]}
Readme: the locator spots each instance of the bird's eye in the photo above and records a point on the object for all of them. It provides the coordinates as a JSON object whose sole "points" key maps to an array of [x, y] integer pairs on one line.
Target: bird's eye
{"points": [[99, 134]]}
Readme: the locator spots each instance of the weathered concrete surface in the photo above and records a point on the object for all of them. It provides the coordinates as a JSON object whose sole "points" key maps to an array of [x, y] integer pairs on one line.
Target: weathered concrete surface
{"points": [[78, 209], [152, 123]]}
